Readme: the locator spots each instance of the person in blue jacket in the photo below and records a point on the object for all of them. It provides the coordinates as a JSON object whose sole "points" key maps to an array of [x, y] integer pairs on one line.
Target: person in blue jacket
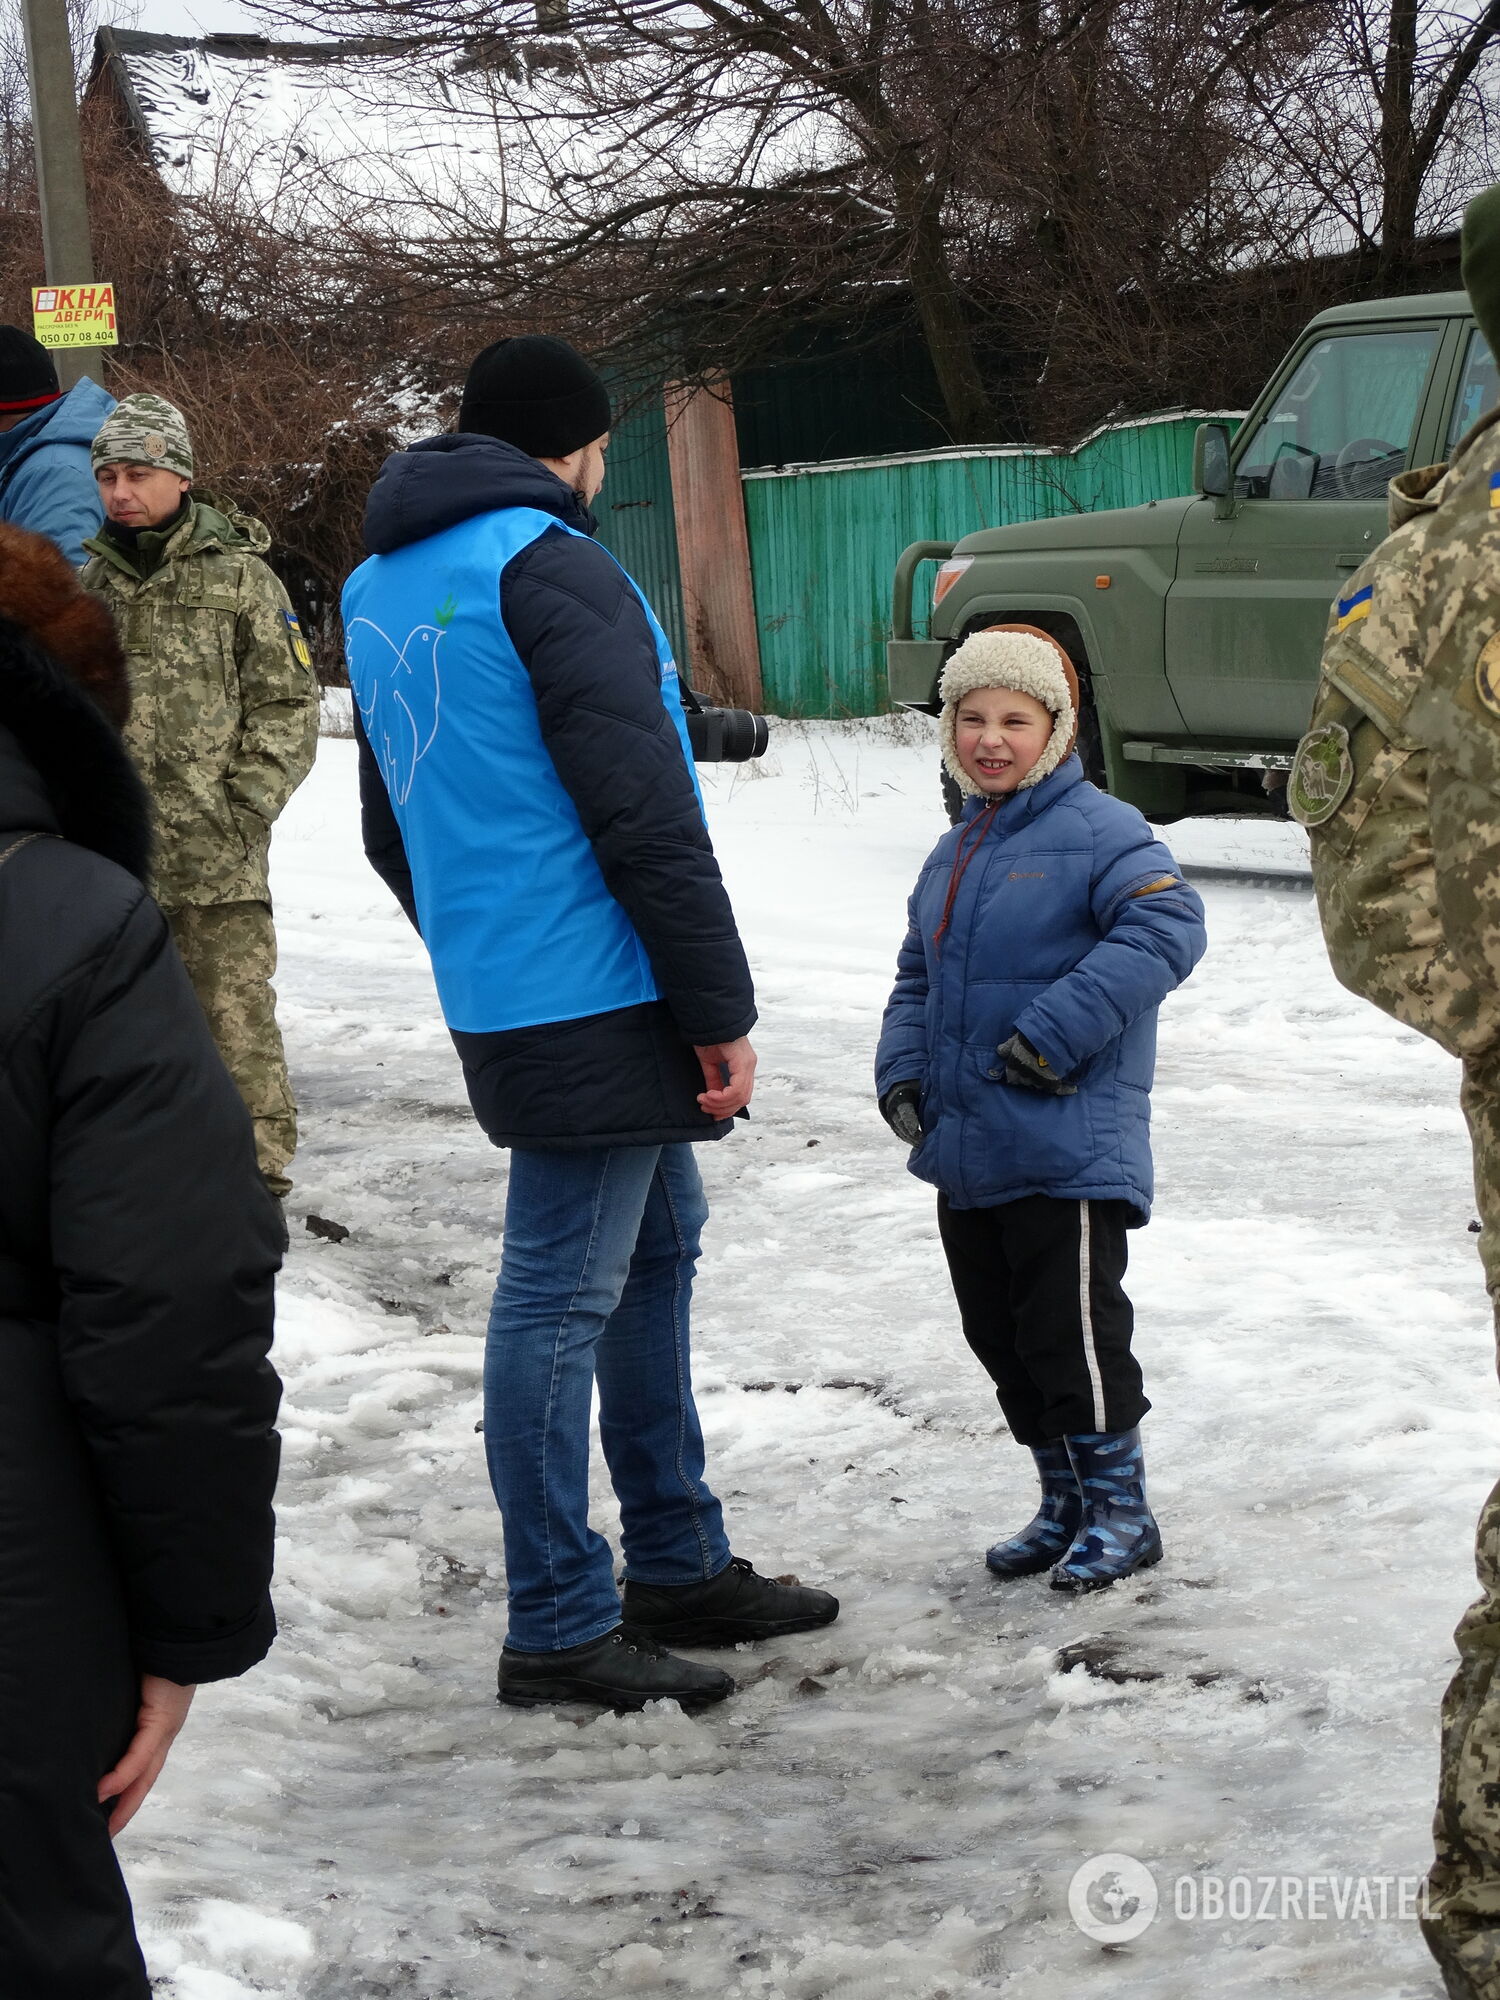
{"points": [[1016, 1059], [529, 796], [46, 477]]}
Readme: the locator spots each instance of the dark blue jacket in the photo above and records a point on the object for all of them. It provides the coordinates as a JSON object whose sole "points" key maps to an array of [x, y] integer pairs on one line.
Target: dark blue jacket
{"points": [[603, 731], [46, 480], [1070, 925]]}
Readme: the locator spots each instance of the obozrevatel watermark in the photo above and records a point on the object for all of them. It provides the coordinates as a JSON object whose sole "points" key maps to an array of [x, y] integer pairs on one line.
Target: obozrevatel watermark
{"points": [[1113, 1898]]}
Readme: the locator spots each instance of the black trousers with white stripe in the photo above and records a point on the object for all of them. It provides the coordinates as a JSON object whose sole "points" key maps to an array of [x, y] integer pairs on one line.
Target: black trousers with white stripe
{"points": [[1040, 1290]]}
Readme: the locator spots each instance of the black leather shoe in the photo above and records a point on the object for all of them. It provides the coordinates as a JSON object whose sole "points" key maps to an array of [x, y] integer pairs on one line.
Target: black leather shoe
{"points": [[731, 1607], [623, 1670]]}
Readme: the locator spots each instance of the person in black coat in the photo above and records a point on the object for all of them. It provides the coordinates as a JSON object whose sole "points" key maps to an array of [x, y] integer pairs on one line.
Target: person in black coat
{"points": [[138, 1253]]}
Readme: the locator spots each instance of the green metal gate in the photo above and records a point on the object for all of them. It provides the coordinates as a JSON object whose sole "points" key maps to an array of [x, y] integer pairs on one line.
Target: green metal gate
{"points": [[824, 540], [636, 519]]}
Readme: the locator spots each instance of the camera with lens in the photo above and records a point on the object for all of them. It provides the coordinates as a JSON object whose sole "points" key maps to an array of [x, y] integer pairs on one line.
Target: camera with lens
{"points": [[723, 735]]}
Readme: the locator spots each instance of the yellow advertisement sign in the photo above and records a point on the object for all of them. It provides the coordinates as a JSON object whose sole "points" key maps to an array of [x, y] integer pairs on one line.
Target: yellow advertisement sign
{"points": [[74, 315]]}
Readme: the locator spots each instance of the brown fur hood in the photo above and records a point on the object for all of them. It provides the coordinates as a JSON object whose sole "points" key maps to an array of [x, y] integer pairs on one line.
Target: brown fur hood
{"points": [[64, 696], [40, 592], [1024, 659]]}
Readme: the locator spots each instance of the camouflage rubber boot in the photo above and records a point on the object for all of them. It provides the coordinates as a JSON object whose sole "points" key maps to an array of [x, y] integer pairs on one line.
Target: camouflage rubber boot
{"points": [[1049, 1533], [1118, 1534]]}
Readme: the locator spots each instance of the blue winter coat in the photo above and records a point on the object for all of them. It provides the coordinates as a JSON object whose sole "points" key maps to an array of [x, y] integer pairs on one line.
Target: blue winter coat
{"points": [[46, 481], [1071, 925]]}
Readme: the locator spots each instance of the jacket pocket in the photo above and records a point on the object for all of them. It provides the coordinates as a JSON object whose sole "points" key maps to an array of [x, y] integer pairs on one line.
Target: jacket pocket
{"points": [[137, 621], [1018, 1137], [198, 627], [222, 823], [254, 833]]}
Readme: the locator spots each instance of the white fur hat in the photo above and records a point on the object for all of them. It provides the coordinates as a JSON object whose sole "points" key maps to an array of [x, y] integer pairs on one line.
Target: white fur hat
{"points": [[1026, 660]]}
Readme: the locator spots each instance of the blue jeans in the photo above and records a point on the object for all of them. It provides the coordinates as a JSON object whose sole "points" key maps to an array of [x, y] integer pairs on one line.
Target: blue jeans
{"points": [[596, 1282]]}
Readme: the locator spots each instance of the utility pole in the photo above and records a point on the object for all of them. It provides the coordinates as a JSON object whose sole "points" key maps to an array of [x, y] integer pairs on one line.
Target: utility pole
{"points": [[59, 162]]}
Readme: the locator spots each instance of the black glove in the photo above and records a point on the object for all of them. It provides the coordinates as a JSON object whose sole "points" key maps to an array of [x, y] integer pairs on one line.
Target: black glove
{"points": [[1026, 1070], [899, 1109]]}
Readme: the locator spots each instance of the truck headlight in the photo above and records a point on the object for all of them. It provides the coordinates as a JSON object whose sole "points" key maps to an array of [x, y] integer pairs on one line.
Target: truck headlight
{"points": [[947, 576]]}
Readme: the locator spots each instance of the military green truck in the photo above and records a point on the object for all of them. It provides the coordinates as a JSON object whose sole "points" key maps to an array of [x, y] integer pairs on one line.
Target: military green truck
{"points": [[1196, 624]]}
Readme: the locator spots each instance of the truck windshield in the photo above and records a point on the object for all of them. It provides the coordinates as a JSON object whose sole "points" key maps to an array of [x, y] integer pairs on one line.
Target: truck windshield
{"points": [[1342, 425], [1477, 389]]}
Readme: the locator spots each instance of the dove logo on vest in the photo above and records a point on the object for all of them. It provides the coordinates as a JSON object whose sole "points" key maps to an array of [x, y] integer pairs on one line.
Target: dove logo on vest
{"points": [[516, 914], [401, 697]]}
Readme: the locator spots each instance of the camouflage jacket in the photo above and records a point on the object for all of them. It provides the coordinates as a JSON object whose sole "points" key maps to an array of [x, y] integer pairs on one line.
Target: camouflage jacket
{"points": [[224, 705], [1401, 723], [1455, 711]]}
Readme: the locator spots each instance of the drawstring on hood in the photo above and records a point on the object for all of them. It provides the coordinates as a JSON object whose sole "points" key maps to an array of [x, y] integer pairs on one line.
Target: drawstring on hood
{"points": [[963, 854], [1027, 661]]}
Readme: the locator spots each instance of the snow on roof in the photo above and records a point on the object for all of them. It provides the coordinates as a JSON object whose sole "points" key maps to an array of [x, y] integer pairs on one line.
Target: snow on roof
{"points": [[940, 453], [311, 136]]}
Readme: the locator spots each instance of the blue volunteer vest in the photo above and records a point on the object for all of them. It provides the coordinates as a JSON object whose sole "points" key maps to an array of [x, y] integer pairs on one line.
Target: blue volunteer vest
{"points": [[517, 919]]}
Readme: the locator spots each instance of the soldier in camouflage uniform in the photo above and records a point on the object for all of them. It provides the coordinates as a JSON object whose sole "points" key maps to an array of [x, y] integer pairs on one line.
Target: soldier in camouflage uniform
{"points": [[1399, 782], [223, 727]]}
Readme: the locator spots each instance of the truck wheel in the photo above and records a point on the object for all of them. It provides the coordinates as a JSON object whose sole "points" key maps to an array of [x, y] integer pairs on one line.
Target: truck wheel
{"points": [[953, 798], [1090, 744]]}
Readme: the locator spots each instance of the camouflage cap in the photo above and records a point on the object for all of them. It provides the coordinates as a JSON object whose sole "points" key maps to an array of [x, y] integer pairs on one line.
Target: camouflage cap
{"points": [[144, 430]]}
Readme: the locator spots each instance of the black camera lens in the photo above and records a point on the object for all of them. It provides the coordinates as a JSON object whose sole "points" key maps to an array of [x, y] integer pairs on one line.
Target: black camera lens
{"points": [[726, 735]]}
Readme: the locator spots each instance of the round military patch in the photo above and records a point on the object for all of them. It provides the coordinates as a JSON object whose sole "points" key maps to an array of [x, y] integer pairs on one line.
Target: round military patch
{"points": [[1321, 774], [154, 445], [1487, 674]]}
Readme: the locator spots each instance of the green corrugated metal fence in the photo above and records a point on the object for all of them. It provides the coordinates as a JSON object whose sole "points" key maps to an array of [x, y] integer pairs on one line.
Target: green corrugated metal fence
{"points": [[634, 511], [824, 541]]}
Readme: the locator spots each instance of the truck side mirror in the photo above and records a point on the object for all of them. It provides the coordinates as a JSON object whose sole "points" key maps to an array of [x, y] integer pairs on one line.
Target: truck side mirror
{"points": [[1211, 475]]}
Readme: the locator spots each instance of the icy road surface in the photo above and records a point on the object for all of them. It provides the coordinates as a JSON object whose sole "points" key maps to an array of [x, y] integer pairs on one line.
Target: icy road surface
{"points": [[895, 1805]]}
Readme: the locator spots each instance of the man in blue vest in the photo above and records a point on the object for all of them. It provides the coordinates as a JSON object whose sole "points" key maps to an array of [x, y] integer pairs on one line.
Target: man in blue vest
{"points": [[46, 475], [528, 793]]}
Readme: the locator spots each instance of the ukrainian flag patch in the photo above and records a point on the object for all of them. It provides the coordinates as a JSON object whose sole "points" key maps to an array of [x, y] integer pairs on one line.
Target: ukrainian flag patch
{"points": [[299, 646], [1495, 489], [1352, 609]]}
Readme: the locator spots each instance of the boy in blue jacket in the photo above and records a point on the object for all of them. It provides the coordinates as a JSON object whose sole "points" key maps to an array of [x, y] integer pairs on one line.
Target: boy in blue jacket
{"points": [[1015, 1060]]}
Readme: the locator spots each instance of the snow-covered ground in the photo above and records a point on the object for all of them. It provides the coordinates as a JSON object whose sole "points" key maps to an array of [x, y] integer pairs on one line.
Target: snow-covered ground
{"points": [[894, 1806]]}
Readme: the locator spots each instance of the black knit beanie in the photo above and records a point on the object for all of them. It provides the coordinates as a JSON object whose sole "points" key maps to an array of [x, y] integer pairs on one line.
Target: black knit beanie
{"points": [[536, 393], [28, 378]]}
